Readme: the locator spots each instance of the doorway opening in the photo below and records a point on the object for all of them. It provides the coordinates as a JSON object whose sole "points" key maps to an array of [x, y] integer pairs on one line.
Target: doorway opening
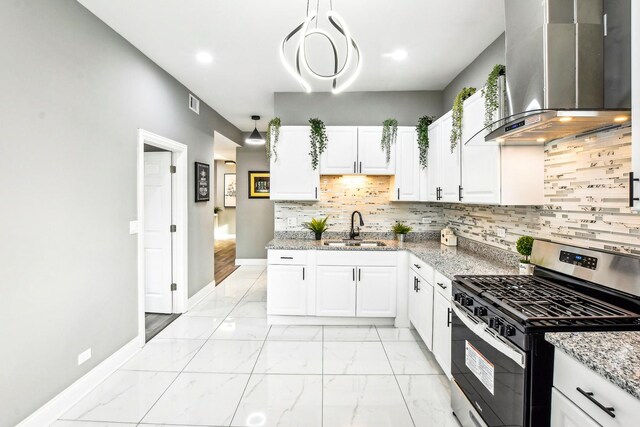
{"points": [[162, 233], [225, 206]]}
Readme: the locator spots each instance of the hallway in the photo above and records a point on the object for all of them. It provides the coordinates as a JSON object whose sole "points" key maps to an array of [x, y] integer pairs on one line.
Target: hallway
{"points": [[224, 258]]}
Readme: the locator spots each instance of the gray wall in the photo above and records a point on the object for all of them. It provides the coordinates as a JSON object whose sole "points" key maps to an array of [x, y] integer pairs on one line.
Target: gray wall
{"points": [[357, 108], [617, 54], [227, 217], [475, 74], [254, 216], [75, 94]]}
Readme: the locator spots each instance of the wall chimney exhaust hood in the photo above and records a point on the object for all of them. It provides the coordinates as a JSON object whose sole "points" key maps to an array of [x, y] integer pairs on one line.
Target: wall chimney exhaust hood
{"points": [[555, 73]]}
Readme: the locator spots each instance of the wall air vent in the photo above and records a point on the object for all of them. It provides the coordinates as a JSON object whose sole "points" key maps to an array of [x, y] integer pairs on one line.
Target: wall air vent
{"points": [[194, 104]]}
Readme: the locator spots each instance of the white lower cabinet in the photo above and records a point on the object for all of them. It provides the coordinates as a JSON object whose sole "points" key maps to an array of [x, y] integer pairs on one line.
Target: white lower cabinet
{"points": [[287, 290], [376, 292], [421, 307], [335, 291], [442, 332], [564, 413]]}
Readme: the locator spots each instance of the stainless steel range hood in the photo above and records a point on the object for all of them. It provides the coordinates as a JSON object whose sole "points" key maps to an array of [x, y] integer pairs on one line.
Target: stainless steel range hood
{"points": [[555, 72]]}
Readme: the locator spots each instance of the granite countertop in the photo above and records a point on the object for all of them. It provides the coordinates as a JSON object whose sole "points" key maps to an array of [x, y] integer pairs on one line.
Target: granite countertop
{"points": [[448, 260], [614, 355]]}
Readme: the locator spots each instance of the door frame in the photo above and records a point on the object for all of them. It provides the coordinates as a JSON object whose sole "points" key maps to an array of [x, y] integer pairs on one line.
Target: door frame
{"points": [[179, 203]]}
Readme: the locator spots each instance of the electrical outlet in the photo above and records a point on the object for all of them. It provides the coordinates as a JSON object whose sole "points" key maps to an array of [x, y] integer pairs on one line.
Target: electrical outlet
{"points": [[133, 227], [501, 232], [292, 221], [426, 220], [84, 356]]}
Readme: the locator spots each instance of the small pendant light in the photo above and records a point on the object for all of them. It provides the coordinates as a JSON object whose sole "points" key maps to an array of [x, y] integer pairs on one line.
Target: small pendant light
{"points": [[255, 137]]}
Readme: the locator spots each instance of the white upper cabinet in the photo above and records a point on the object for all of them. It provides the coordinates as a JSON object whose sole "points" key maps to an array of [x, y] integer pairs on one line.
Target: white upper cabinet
{"points": [[292, 176], [372, 160], [429, 191], [448, 178], [341, 154], [408, 178]]}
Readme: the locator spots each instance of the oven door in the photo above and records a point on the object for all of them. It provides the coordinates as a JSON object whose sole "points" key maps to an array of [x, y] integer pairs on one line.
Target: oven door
{"points": [[489, 371]]}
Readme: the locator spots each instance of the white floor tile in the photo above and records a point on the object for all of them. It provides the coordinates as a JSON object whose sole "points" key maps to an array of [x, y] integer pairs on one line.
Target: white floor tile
{"points": [[408, 357], [123, 397], [398, 334], [218, 356], [295, 333], [250, 309], [242, 328], [199, 399], [355, 358], [256, 294], [428, 398], [211, 308], [350, 333], [164, 355], [364, 400], [66, 423], [289, 357], [191, 327], [281, 400]]}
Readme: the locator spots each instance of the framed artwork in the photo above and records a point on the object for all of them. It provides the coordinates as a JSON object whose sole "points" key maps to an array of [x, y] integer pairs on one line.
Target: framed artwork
{"points": [[203, 175], [229, 190], [259, 185]]}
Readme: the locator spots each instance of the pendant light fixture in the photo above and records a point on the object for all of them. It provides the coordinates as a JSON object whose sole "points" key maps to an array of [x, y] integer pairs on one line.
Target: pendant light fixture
{"points": [[352, 61], [255, 138]]}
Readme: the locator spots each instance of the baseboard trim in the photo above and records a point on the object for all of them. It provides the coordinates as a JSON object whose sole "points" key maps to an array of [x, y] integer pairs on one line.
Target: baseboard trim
{"points": [[56, 407], [251, 261], [201, 294], [329, 321]]}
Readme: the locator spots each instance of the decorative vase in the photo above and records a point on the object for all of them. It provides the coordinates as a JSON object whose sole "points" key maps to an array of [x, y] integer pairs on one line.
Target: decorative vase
{"points": [[526, 269], [318, 236], [401, 237]]}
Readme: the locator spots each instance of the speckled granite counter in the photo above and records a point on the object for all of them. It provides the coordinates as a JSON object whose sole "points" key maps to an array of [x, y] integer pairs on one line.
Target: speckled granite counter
{"points": [[449, 261], [614, 355]]}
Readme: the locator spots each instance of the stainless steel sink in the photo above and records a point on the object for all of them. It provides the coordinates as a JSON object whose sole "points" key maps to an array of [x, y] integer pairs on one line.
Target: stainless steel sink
{"points": [[361, 243]]}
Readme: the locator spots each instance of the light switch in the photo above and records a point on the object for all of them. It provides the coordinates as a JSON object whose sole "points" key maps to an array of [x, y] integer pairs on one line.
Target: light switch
{"points": [[426, 220], [133, 227]]}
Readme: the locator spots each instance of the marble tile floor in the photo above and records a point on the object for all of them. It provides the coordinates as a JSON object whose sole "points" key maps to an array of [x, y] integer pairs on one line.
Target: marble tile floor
{"points": [[222, 365]]}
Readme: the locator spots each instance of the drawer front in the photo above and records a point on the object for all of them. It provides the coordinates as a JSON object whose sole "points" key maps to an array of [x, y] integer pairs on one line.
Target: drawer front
{"points": [[442, 285], [421, 268], [358, 258], [575, 380], [286, 257]]}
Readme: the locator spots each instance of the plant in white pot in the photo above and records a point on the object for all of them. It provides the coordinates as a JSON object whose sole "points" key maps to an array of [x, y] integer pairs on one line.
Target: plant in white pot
{"points": [[400, 230], [317, 226], [524, 245]]}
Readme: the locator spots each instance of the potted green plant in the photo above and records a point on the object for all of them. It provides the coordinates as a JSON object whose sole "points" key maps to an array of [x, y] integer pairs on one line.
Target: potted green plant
{"points": [[318, 141], [524, 245], [217, 210], [389, 136], [272, 137], [491, 95], [456, 115], [318, 226], [423, 138], [401, 230]]}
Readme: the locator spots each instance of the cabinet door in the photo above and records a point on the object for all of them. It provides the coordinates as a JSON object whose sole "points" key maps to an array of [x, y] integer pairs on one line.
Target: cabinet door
{"points": [[565, 413], [336, 291], [425, 306], [372, 160], [449, 163], [292, 177], [341, 154], [287, 290], [376, 292], [480, 159], [430, 192], [415, 314], [407, 177], [442, 332]]}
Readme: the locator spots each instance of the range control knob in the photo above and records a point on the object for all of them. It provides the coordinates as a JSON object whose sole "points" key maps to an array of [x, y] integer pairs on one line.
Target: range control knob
{"points": [[495, 322], [466, 301], [457, 297], [480, 311], [509, 331]]}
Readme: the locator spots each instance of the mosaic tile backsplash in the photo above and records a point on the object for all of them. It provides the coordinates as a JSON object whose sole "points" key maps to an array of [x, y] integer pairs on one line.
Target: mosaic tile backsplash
{"points": [[586, 190]]}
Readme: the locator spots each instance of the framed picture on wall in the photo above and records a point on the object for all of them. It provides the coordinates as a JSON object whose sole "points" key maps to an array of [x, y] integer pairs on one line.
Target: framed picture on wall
{"points": [[203, 175], [259, 185], [229, 190]]}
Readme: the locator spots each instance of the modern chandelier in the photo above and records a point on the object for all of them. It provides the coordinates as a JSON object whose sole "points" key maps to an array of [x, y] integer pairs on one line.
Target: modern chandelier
{"points": [[298, 66]]}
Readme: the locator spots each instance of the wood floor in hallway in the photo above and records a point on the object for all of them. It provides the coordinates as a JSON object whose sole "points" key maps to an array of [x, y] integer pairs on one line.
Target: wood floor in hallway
{"points": [[224, 258]]}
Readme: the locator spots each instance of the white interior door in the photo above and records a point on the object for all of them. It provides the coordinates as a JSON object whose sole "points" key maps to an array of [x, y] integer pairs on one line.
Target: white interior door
{"points": [[157, 234]]}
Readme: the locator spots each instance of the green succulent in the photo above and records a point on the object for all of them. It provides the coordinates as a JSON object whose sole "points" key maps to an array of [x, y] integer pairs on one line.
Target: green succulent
{"points": [[389, 136], [456, 115], [317, 225], [318, 141], [490, 93], [423, 138], [400, 228]]}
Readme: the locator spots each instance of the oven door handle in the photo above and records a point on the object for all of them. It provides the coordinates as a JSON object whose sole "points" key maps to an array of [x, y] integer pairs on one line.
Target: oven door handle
{"points": [[482, 330]]}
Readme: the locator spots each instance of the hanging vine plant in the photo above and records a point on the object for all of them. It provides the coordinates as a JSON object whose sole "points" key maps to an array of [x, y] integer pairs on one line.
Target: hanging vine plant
{"points": [[318, 141], [389, 136], [423, 138], [456, 115], [271, 145], [490, 93]]}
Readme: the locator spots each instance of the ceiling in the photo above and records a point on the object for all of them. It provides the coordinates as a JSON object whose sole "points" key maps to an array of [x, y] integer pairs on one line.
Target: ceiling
{"points": [[441, 37]]}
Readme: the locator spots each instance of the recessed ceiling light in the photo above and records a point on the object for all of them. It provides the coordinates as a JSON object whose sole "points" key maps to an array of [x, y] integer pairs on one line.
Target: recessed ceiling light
{"points": [[398, 55], [566, 119], [204, 57], [620, 119]]}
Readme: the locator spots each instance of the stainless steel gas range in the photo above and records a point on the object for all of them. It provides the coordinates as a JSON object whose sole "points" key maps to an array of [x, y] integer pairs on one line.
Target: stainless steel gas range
{"points": [[501, 365]]}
